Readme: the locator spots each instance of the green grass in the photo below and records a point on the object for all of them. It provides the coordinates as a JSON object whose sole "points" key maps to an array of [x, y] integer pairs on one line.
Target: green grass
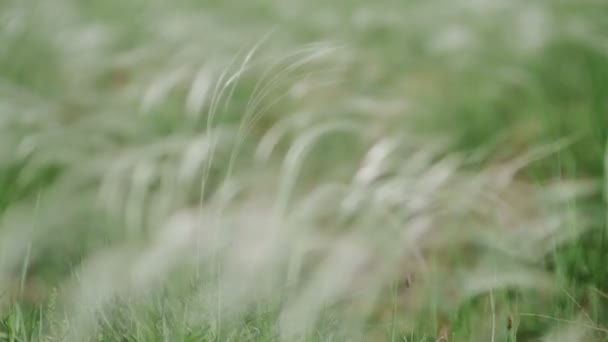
{"points": [[303, 170]]}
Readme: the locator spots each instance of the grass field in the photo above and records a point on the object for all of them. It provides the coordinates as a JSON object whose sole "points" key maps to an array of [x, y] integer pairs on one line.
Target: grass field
{"points": [[304, 170]]}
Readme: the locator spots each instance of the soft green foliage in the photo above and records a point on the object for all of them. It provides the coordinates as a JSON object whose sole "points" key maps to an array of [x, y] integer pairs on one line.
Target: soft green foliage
{"points": [[303, 170]]}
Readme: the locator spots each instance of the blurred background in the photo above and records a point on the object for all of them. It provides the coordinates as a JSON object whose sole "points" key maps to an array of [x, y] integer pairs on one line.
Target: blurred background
{"points": [[303, 170]]}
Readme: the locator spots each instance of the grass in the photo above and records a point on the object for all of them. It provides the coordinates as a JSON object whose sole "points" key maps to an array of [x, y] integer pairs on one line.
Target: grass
{"points": [[303, 170]]}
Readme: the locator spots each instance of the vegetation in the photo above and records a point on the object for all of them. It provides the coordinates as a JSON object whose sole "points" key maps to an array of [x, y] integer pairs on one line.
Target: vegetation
{"points": [[303, 170]]}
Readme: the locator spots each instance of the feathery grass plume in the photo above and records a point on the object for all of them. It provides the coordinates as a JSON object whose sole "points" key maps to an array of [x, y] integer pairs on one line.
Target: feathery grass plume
{"points": [[420, 182]]}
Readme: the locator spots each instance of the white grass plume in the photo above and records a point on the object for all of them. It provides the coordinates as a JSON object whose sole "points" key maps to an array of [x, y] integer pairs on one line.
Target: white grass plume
{"points": [[212, 207]]}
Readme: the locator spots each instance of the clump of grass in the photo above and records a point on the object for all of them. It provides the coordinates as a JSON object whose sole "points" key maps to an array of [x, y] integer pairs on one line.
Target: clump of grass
{"points": [[369, 190]]}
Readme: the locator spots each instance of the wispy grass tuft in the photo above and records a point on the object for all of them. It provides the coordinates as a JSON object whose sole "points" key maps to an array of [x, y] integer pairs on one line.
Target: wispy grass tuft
{"points": [[421, 171]]}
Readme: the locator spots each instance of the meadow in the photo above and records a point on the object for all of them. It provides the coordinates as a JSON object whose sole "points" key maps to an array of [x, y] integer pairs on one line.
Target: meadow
{"points": [[304, 170]]}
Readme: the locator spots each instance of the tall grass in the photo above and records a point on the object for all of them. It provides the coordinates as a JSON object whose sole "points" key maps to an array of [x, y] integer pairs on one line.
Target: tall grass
{"points": [[303, 170]]}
